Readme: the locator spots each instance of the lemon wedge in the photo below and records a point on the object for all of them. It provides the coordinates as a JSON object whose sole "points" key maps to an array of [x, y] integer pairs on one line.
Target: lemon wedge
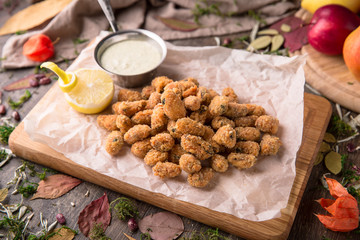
{"points": [[88, 91], [93, 92]]}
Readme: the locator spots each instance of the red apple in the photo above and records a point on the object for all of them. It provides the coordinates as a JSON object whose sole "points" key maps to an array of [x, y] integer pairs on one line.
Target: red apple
{"points": [[329, 27]]}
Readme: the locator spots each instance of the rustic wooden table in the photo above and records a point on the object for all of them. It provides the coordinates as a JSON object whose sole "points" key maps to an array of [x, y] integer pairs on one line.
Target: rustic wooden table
{"points": [[305, 225]]}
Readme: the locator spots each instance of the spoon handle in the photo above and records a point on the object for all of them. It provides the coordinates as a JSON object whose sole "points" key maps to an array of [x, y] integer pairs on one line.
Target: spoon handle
{"points": [[106, 7]]}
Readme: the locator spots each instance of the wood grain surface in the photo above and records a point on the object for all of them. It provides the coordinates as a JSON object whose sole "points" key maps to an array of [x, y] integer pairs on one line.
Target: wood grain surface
{"points": [[329, 74], [317, 112]]}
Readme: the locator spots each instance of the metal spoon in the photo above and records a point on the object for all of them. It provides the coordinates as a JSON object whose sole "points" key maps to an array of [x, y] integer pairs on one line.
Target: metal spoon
{"points": [[107, 9]]}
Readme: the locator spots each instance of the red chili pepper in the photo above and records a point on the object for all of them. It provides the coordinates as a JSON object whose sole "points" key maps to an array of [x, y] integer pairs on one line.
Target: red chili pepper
{"points": [[344, 210], [38, 48]]}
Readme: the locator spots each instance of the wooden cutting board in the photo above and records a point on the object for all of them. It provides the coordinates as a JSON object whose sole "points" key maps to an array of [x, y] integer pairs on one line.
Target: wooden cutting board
{"points": [[317, 112], [329, 74]]}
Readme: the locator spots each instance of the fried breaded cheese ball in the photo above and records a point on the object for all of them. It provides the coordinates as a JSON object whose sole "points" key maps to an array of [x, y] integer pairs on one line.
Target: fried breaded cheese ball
{"points": [[200, 115], [256, 110], [196, 146], [171, 127], [219, 106], [160, 82], [192, 103], [158, 118], [236, 110], [153, 156], [137, 133], [189, 163], [241, 160], [225, 136], [141, 148], [123, 123], [202, 178], [154, 99], [230, 93], [147, 91], [248, 147], [204, 95], [114, 142], [267, 123], [247, 121], [189, 126], [219, 163], [107, 121], [220, 121], [162, 142], [142, 117], [247, 133], [174, 107], [175, 153], [269, 145], [129, 108], [129, 95], [166, 170]]}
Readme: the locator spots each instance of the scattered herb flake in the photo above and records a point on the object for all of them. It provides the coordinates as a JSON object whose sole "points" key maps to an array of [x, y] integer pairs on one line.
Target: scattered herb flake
{"points": [[5, 131], [256, 15], [203, 8], [20, 32], [22, 100]]}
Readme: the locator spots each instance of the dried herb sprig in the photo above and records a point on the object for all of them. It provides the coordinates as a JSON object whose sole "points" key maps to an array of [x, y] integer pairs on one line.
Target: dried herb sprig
{"points": [[339, 128], [78, 41], [203, 8], [13, 226], [210, 233], [97, 233], [28, 190], [5, 131], [23, 98], [256, 16], [124, 208]]}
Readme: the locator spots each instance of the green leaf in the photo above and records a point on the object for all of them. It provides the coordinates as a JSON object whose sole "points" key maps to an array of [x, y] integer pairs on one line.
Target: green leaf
{"points": [[179, 25]]}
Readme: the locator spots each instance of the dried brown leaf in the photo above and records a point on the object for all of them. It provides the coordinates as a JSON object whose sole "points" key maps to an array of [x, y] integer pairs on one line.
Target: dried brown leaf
{"points": [[179, 25], [3, 194], [97, 212], [55, 186], [63, 234], [20, 84], [162, 225]]}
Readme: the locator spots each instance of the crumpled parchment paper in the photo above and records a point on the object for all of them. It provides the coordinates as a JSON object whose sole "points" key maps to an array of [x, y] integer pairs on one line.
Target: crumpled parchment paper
{"points": [[258, 193]]}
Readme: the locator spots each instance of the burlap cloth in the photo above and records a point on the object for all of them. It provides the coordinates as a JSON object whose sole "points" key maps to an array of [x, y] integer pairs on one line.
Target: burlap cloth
{"points": [[84, 19]]}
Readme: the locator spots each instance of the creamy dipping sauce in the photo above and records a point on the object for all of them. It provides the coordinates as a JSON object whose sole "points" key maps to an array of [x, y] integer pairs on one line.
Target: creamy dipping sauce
{"points": [[130, 57]]}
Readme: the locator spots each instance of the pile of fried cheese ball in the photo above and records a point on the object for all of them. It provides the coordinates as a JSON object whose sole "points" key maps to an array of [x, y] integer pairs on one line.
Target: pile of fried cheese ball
{"points": [[180, 126]]}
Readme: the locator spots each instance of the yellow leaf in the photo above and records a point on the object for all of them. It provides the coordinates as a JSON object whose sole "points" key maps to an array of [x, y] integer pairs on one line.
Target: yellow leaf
{"points": [[130, 238], [63, 234], [35, 15], [3, 193]]}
